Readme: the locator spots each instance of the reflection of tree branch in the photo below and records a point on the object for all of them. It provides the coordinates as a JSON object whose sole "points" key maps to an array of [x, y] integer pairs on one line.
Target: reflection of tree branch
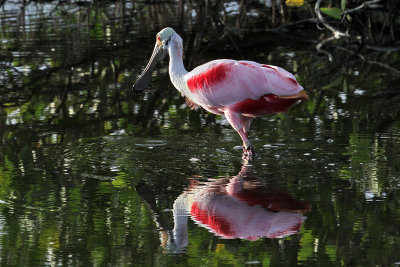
{"points": [[318, 104], [337, 33], [319, 46], [373, 62], [348, 51], [383, 48], [64, 94], [363, 5], [383, 65]]}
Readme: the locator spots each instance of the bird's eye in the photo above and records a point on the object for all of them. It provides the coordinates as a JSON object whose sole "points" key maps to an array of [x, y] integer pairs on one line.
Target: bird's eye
{"points": [[158, 41], [167, 43]]}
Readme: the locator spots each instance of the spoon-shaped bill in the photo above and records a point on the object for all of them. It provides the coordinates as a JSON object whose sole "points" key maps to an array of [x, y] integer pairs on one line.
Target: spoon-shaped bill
{"points": [[145, 78]]}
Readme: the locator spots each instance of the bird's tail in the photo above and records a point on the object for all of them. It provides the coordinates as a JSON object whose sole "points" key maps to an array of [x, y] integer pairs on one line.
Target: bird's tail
{"points": [[302, 95]]}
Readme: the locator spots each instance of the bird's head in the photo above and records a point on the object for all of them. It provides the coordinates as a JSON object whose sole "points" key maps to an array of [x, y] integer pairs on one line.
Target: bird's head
{"points": [[163, 39]]}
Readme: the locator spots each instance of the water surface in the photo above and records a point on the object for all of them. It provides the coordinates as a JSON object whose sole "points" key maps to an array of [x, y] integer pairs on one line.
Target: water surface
{"points": [[89, 172]]}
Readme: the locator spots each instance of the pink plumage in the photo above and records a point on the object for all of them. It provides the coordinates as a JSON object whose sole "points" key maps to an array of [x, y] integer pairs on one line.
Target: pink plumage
{"points": [[225, 82]]}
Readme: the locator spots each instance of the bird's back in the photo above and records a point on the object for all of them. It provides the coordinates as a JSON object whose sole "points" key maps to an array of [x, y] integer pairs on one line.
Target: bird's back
{"points": [[223, 83]]}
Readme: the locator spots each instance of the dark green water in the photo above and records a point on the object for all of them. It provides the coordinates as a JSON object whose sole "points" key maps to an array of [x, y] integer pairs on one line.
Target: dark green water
{"points": [[89, 172]]}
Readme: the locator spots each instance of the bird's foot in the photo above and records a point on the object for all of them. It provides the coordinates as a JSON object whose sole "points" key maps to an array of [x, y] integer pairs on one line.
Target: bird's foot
{"points": [[248, 152]]}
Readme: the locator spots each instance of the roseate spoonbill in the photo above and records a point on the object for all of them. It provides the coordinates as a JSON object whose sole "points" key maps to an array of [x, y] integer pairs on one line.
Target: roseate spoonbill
{"points": [[240, 90]]}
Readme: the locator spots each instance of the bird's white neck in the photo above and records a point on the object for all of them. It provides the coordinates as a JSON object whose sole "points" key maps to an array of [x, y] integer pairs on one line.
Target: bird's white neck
{"points": [[176, 69]]}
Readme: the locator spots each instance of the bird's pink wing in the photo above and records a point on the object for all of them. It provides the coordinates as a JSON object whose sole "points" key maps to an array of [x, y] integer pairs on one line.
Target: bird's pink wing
{"points": [[225, 82]]}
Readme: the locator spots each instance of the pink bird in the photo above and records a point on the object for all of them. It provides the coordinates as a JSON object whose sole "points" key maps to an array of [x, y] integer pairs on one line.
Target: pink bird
{"points": [[239, 90]]}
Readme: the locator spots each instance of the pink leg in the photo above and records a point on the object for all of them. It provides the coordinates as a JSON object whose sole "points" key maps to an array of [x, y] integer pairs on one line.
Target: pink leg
{"points": [[242, 125], [246, 122], [248, 149]]}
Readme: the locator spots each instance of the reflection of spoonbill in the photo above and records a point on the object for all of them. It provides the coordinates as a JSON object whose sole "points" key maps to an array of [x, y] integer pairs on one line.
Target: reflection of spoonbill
{"points": [[240, 90], [238, 207]]}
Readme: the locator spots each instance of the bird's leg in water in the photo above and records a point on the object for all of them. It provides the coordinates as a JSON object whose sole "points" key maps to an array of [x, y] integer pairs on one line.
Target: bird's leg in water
{"points": [[248, 148], [249, 153], [242, 125]]}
